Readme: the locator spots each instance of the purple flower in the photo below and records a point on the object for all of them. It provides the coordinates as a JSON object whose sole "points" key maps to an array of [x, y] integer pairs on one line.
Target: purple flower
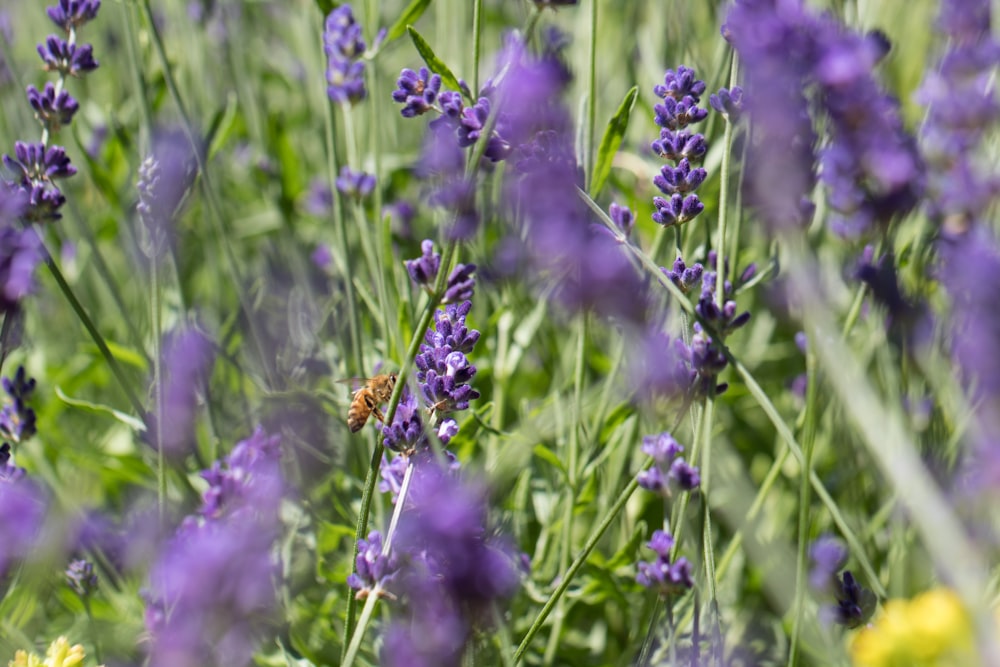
{"points": [[373, 569], [424, 270], [406, 434], [682, 275], [461, 285], [623, 218], [165, 177], [854, 603], [455, 572], [678, 145], [81, 577], [344, 46], [729, 103], [827, 555], [722, 321], [677, 210], [681, 179], [471, 124], [661, 575], [668, 466], [356, 184], [51, 109], [20, 253], [443, 370], [212, 587], [65, 58], [17, 419], [663, 448], [680, 84], [417, 92], [392, 472], [22, 513], [71, 14], [188, 356], [319, 198], [35, 163]]}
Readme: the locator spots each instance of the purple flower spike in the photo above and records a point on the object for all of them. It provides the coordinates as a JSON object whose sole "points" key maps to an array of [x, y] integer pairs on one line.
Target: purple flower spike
{"points": [[71, 14], [685, 474], [623, 218], [20, 253], [674, 146], [677, 210], [681, 179], [344, 46], [17, 419], [373, 569], [65, 58], [188, 357], [674, 114], [661, 575], [652, 480], [33, 163], [683, 276], [356, 184], [729, 103], [417, 92], [680, 84], [52, 110], [22, 512], [461, 284], [663, 448], [81, 577], [424, 270]]}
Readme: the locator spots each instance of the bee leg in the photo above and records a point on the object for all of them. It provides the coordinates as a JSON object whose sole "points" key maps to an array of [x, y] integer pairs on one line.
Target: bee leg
{"points": [[378, 414]]}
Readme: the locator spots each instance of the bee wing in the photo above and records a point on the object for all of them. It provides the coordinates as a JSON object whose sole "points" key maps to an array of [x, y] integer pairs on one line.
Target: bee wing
{"points": [[354, 383]]}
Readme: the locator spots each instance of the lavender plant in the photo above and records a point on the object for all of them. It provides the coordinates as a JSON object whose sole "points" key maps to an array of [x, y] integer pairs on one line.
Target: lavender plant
{"points": [[688, 315]]}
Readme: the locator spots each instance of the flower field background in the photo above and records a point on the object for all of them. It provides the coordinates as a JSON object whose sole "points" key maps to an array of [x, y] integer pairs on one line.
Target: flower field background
{"points": [[499, 332]]}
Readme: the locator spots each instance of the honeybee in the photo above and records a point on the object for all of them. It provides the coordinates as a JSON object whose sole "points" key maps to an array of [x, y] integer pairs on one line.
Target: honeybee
{"points": [[377, 390]]}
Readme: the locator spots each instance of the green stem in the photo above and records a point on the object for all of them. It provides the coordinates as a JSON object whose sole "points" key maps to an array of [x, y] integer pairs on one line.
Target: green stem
{"points": [[706, 477], [720, 261], [157, 326], [363, 620], [808, 442], [574, 567], [591, 97], [95, 335], [477, 29], [215, 212], [765, 403]]}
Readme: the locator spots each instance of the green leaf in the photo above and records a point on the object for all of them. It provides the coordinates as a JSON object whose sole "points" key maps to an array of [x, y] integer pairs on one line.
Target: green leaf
{"points": [[434, 63], [326, 6], [614, 133], [547, 455], [409, 16], [130, 421]]}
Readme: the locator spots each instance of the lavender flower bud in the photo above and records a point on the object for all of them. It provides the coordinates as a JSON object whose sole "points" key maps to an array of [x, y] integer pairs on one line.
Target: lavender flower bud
{"points": [[81, 577], [52, 110], [17, 419], [827, 554], [729, 103], [355, 184], [65, 58], [661, 575], [344, 46], [424, 270], [71, 14], [372, 570], [623, 218], [461, 284]]}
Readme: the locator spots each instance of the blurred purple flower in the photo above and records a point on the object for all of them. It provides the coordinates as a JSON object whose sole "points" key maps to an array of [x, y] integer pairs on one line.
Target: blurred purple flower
{"points": [[20, 252], [661, 575], [728, 102], [65, 58], [322, 257], [454, 573], [22, 512], [669, 466], [356, 184], [424, 270], [344, 46], [722, 321], [81, 577], [188, 356], [855, 604], [213, 585], [827, 555], [71, 14], [319, 198], [51, 109], [623, 218], [17, 419], [165, 177], [907, 322], [461, 285]]}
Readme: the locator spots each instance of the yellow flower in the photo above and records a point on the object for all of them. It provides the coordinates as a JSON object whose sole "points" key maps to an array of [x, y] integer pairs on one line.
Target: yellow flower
{"points": [[931, 630], [59, 654]]}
